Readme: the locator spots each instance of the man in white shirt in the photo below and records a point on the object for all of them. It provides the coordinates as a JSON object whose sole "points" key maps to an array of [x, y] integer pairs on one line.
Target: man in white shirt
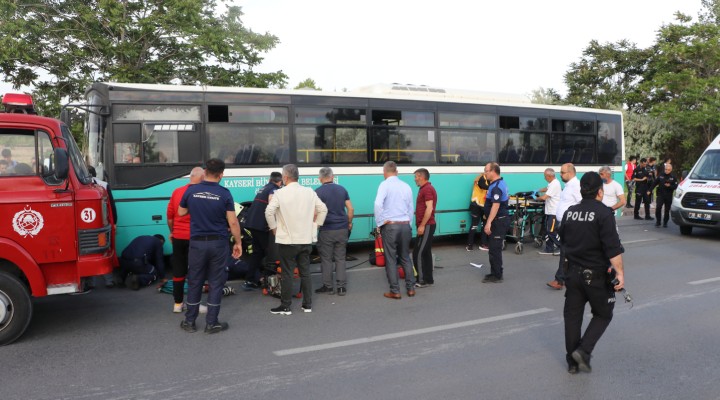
{"points": [[551, 199], [290, 215], [613, 193], [569, 197]]}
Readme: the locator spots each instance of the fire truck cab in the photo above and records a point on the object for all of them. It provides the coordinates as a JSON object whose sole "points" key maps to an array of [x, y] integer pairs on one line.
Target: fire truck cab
{"points": [[55, 223]]}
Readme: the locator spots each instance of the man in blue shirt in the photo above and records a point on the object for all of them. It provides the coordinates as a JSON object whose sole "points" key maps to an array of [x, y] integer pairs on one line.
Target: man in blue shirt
{"points": [[256, 223], [333, 235], [393, 213], [496, 211], [143, 261], [212, 210]]}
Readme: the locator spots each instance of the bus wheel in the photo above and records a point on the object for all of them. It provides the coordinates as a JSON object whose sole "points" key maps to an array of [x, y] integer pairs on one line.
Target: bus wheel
{"points": [[15, 308], [685, 230]]}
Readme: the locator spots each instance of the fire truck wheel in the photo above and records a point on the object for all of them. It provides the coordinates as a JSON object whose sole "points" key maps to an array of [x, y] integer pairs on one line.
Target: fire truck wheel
{"points": [[15, 308]]}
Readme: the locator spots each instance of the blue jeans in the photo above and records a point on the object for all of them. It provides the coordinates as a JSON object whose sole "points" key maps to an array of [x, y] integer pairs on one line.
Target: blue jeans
{"points": [[207, 261]]}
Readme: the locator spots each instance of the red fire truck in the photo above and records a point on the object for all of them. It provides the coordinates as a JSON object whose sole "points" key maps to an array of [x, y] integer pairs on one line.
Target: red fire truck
{"points": [[55, 224]]}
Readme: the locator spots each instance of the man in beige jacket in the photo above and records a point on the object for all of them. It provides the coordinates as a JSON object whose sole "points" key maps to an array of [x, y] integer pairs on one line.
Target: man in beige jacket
{"points": [[290, 216]]}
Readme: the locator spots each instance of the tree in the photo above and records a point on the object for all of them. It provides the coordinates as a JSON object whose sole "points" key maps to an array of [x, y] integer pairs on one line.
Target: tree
{"points": [[307, 84], [545, 96], [676, 81], [60, 47]]}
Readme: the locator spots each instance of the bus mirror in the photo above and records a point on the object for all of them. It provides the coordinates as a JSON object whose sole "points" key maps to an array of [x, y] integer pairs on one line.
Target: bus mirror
{"points": [[685, 174], [61, 164]]}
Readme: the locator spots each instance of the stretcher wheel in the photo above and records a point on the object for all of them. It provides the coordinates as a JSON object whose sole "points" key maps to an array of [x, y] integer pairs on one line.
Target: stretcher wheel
{"points": [[518, 248], [538, 242]]}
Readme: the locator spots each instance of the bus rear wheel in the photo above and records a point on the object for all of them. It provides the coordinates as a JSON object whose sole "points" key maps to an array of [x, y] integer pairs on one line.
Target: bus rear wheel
{"points": [[15, 308]]}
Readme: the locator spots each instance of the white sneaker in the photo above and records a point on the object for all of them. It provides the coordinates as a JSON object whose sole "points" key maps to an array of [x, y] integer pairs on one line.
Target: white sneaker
{"points": [[203, 309], [476, 265], [179, 307]]}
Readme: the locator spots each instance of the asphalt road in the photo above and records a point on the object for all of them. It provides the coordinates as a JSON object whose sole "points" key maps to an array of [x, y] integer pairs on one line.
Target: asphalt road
{"points": [[460, 339]]}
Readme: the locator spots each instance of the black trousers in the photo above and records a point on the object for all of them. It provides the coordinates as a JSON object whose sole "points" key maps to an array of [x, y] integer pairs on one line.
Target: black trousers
{"points": [[601, 297], [422, 255], [498, 230], [664, 201], [260, 245], [475, 219], [181, 247], [641, 194]]}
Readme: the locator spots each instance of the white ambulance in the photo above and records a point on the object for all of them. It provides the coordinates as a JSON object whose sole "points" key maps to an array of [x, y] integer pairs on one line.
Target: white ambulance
{"points": [[697, 199]]}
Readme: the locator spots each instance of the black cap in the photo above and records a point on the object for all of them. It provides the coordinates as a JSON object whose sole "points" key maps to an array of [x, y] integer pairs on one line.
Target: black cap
{"points": [[590, 183]]}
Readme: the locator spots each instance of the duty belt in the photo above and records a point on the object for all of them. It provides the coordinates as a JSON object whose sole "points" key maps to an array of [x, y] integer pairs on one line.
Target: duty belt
{"points": [[397, 223]]}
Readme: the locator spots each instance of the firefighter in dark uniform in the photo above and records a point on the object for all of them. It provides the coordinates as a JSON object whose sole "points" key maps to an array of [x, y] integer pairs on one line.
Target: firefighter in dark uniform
{"points": [[592, 245], [641, 177], [497, 220], [212, 211], [666, 184]]}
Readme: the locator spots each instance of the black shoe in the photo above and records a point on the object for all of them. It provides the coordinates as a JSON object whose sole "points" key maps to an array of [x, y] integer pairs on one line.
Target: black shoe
{"points": [[421, 284], [341, 291], [572, 369], [134, 283], [216, 327], [250, 286], [638, 217], [649, 219], [665, 225], [583, 360], [325, 289], [281, 310], [657, 224], [629, 205], [110, 285], [188, 327], [490, 278]]}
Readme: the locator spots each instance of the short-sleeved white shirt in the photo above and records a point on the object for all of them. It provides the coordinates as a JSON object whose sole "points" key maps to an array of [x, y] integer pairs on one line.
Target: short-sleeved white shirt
{"points": [[611, 191], [569, 197], [553, 193]]}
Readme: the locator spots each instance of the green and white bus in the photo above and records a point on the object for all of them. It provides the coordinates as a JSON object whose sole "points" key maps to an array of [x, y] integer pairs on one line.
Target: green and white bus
{"points": [[144, 140]]}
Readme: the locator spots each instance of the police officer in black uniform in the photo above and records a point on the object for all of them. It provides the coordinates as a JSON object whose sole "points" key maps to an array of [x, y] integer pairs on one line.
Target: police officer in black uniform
{"points": [[641, 177], [666, 183], [591, 242]]}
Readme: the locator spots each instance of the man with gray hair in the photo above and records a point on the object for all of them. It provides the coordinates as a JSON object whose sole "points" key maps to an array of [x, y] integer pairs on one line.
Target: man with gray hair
{"points": [[613, 192], [180, 238], [333, 235], [290, 216], [393, 213], [551, 199]]}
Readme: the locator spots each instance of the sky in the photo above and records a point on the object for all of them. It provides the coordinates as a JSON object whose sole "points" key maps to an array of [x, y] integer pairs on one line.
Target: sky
{"points": [[510, 46]]}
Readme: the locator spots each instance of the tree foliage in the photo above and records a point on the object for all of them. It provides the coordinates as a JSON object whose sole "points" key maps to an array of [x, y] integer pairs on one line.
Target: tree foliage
{"points": [[307, 84], [670, 89], [60, 46]]}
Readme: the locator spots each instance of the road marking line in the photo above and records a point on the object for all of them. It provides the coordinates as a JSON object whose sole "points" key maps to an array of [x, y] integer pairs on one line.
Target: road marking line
{"points": [[700, 282], [413, 332], [640, 240]]}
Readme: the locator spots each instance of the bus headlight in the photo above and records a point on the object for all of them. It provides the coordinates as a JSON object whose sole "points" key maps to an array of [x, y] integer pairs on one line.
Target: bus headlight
{"points": [[678, 193]]}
